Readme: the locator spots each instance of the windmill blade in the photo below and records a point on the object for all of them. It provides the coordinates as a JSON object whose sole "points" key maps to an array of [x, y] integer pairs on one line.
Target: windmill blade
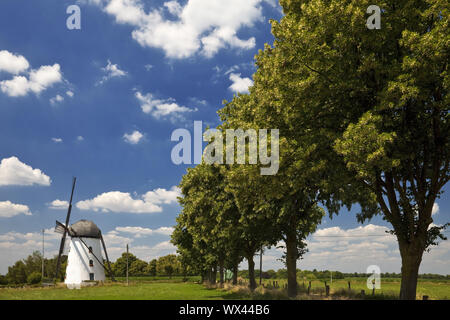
{"points": [[60, 228], [63, 239], [107, 259]]}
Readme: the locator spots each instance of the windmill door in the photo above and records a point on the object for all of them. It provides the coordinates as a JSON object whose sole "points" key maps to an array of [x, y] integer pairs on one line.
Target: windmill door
{"points": [[91, 276]]}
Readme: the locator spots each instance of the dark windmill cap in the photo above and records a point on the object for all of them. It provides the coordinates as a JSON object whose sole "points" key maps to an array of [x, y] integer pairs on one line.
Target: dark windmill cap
{"points": [[85, 229]]}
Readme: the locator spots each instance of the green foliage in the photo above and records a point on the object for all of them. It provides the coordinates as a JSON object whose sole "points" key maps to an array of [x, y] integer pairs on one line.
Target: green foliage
{"points": [[120, 266], [151, 268], [34, 278], [138, 268], [168, 265]]}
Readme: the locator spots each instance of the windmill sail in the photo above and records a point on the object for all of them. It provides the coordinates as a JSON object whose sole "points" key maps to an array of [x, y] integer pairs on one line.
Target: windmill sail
{"points": [[60, 228], [65, 230]]}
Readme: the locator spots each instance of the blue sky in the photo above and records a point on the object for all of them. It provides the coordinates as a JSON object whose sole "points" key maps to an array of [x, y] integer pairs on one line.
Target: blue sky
{"points": [[101, 103]]}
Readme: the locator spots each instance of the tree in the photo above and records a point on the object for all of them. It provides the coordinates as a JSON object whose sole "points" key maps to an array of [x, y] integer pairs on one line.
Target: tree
{"points": [[138, 268], [34, 278], [151, 267], [360, 99], [168, 265], [17, 273], [120, 266]]}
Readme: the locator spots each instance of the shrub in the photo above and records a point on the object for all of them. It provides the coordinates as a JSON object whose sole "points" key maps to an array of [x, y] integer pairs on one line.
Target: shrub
{"points": [[34, 278]]}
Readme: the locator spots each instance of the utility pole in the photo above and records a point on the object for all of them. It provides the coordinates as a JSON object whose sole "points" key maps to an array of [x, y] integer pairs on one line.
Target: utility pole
{"points": [[43, 253], [127, 266]]}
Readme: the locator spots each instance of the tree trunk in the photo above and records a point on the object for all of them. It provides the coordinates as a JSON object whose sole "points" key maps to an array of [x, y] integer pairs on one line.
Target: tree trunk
{"points": [[411, 259], [291, 263], [235, 273], [221, 273], [251, 272], [203, 277]]}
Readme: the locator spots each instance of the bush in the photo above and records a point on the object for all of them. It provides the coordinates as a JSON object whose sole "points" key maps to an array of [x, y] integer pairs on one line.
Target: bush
{"points": [[34, 278], [3, 280]]}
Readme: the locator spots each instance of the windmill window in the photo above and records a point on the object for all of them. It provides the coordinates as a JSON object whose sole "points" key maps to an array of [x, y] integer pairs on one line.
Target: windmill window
{"points": [[91, 263], [90, 249]]}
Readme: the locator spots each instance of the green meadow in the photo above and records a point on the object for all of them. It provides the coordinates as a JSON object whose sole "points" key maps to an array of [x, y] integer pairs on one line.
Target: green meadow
{"points": [[176, 289]]}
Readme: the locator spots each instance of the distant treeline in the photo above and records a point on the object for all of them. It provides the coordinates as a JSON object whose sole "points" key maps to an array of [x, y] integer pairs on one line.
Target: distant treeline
{"points": [[29, 270], [326, 274]]}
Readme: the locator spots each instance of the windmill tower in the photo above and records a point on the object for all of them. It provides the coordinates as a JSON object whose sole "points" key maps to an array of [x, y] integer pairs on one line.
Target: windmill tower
{"points": [[85, 261]]}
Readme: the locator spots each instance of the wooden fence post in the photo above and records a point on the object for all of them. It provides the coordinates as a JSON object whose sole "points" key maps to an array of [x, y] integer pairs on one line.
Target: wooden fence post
{"points": [[363, 293], [425, 297], [349, 286], [327, 291]]}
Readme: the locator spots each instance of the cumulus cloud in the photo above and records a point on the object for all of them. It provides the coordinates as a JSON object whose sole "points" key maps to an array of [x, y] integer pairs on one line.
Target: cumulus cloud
{"points": [[14, 172], [70, 93], [58, 205], [37, 81], [198, 26], [140, 232], [163, 196], [160, 108], [121, 202], [354, 249], [240, 85], [9, 209], [435, 209], [111, 71], [133, 138], [12, 63], [58, 98], [57, 140], [15, 246]]}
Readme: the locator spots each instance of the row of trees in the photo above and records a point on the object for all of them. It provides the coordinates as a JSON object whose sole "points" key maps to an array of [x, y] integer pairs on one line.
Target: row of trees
{"points": [[363, 119], [29, 270], [169, 265]]}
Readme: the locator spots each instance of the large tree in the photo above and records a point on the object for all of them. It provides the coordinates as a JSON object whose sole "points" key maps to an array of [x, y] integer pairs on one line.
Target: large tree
{"points": [[372, 105]]}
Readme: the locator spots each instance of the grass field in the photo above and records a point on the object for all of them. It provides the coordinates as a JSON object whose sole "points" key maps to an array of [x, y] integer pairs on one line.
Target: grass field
{"points": [[174, 289], [390, 288]]}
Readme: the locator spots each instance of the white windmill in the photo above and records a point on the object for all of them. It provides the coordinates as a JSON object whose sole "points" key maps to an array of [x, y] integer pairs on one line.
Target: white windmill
{"points": [[85, 262]]}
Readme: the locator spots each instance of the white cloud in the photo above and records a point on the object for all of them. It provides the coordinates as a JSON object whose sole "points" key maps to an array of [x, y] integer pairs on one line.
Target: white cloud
{"points": [[435, 209], [159, 108], [240, 85], [199, 26], [121, 202], [9, 209], [133, 138], [163, 196], [38, 81], [14, 172], [12, 63], [111, 71], [56, 99], [15, 246], [70, 93], [353, 250], [57, 140], [139, 232], [58, 205], [80, 138]]}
